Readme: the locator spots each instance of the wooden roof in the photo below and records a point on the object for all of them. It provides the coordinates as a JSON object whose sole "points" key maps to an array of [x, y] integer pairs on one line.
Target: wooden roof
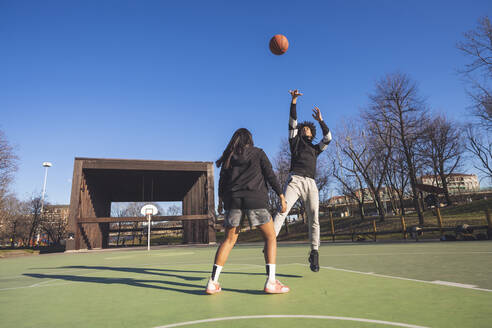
{"points": [[123, 180]]}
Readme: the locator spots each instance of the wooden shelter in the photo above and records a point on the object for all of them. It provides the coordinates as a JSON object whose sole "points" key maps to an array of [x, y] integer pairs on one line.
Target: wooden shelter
{"points": [[98, 182]]}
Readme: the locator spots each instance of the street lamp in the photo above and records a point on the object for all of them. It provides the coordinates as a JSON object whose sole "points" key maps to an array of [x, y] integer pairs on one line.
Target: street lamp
{"points": [[45, 165]]}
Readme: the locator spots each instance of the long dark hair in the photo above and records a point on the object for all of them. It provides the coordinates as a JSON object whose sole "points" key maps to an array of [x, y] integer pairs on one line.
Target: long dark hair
{"points": [[239, 141]]}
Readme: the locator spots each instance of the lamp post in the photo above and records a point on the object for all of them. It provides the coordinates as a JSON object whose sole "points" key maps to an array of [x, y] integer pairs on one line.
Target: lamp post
{"points": [[46, 165]]}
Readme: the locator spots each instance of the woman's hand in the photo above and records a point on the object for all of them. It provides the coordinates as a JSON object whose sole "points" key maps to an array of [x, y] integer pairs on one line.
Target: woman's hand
{"points": [[220, 208], [284, 204]]}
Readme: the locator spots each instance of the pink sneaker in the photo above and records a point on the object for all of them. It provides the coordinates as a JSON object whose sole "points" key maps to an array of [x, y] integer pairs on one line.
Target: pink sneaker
{"points": [[275, 287], [212, 287]]}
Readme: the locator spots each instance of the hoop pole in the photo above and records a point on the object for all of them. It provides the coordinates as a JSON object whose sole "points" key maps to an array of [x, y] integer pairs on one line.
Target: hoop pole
{"points": [[148, 233]]}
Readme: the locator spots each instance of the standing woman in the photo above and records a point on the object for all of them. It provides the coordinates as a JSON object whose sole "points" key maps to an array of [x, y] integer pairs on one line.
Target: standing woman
{"points": [[243, 191]]}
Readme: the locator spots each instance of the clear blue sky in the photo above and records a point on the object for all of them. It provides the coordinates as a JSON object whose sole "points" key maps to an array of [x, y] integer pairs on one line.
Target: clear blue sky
{"points": [[171, 80]]}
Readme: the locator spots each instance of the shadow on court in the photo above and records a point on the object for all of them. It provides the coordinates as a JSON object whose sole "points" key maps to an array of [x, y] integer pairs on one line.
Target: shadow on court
{"points": [[150, 283], [167, 272]]}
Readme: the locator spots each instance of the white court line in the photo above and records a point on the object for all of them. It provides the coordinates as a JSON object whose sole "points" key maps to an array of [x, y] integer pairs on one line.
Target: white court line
{"points": [[174, 254], [290, 256], [326, 317], [41, 283], [435, 282], [389, 254], [37, 286], [78, 270], [153, 255], [54, 271], [323, 255], [454, 284], [119, 257]]}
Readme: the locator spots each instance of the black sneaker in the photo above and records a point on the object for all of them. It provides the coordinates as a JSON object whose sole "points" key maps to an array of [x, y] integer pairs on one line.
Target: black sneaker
{"points": [[314, 260]]}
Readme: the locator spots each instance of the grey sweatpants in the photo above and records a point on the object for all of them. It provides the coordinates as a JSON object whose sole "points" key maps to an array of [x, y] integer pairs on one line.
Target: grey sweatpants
{"points": [[305, 188]]}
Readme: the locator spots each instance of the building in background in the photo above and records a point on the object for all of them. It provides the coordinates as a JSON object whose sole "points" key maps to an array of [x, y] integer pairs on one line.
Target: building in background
{"points": [[457, 182], [54, 224]]}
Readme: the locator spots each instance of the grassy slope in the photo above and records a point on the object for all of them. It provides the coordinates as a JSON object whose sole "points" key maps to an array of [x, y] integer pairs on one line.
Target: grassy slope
{"points": [[17, 252], [472, 214]]}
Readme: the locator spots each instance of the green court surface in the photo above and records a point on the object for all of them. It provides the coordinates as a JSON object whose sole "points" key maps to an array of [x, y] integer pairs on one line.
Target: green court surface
{"points": [[430, 284]]}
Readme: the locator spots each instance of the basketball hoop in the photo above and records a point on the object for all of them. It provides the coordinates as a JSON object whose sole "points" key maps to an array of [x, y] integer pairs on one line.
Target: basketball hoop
{"points": [[149, 210]]}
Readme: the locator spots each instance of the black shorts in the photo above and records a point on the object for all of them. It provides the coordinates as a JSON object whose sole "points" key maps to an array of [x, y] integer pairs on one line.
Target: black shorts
{"points": [[244, 203]]}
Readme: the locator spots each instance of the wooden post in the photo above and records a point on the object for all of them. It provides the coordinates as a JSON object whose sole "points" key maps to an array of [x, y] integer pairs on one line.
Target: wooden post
{"points": [[374, 227], [403, 227], [489, 223], [439, 219], [332, 225]]}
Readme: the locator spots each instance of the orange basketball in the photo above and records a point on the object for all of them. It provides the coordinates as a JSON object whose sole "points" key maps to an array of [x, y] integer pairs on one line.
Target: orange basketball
{"points": [[279, 44]]}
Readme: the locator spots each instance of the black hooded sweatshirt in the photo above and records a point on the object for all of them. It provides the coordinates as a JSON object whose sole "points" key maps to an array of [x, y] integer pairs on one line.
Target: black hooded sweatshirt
{"points": [[304, 153], [247, 177]]}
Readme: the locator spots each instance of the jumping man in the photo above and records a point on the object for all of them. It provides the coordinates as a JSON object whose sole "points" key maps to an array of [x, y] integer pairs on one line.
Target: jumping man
{"points": [[302, 173]]}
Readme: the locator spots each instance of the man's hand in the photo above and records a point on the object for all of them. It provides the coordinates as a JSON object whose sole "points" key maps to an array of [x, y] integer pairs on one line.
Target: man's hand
{"points": [[295, 93], [284, 204], [317, 114]]}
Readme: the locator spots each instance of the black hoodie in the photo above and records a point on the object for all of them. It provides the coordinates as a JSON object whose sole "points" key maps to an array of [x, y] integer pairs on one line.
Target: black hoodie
{"points": [[303, 152], [247, 177]]}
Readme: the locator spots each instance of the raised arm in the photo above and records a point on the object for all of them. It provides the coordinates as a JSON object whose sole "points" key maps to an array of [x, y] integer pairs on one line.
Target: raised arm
{"points": [[326, 132], [293, 114]]}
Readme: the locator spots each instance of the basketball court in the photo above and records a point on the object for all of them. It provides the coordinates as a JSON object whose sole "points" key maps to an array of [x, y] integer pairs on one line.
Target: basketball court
{"points": [[425, 284]]}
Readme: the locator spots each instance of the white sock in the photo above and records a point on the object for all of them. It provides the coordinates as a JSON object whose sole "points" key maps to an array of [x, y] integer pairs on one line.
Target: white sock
{"points": [[216, 272], [271, 272]]}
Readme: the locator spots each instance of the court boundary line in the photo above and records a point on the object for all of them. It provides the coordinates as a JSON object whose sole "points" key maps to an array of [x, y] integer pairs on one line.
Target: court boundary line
{"points": [[292, 316], [435, 282]]}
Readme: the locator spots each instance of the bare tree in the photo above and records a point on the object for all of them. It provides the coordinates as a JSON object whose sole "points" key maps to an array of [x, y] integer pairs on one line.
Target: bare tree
{"points": [[441, 148], [54, 225], [174, 210], [397, 180], [8, 166], [32, 209], [323, 173], [12, 221], [480, 145], [347, 174], [118, 211], [366, 148], [477, 46], [395, 103]]}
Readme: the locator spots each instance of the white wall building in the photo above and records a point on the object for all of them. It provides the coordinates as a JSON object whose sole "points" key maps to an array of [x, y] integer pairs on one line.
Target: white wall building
{"points": [[457, 182]]}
